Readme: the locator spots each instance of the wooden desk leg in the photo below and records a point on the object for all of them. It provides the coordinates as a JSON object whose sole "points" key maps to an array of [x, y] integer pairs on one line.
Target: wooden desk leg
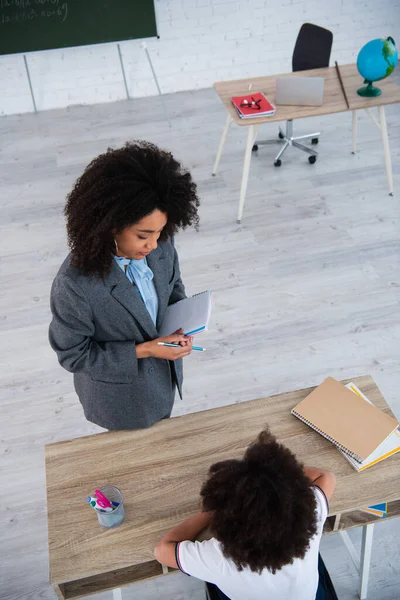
{"points": [[222, 144], [354, 132], [365, 558], [386, 149], [117, 594], [337, 522], [251, 138], [59, 590]]}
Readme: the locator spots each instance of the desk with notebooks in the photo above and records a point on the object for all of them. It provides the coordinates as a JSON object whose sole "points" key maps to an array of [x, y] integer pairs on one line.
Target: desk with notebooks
{"points": [[160, 471], [334, 101], [342, 414]]}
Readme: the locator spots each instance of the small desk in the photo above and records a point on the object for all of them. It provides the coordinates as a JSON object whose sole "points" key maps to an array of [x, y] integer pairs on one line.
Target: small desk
{"points": [[334, 102], [160, 471]]}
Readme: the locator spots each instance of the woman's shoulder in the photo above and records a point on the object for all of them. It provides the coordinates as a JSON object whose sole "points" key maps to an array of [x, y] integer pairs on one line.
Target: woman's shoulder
{"points": [[166, 248], [68, 271]]}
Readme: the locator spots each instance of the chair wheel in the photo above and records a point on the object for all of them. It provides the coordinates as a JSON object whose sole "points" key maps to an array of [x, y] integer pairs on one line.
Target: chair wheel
{"points": [[254, 148], [278, 163], [280, 135], [315, 141], [312, 159]]}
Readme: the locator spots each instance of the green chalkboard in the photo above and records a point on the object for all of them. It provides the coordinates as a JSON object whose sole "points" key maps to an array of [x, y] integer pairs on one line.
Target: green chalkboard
{"points": [[28, 25]]}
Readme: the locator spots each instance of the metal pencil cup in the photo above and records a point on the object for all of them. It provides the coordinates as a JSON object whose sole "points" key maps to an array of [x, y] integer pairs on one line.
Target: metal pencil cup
{"points": [[114, 518]]}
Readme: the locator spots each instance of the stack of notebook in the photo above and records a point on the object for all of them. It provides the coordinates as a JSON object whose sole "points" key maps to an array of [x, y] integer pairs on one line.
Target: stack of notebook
{"points": [[253, 105], [389, 446], [364, 434]]}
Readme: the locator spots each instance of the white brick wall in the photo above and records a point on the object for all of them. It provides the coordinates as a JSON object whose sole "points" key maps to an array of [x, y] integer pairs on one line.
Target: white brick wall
{"points": [[201, 41]]}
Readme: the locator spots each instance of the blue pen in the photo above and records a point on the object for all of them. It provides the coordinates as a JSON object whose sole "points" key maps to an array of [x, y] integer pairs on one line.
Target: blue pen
{"points": [[199, 348]]}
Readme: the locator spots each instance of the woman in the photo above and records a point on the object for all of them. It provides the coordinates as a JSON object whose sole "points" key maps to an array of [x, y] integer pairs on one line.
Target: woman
{"points": [[110, 295]]}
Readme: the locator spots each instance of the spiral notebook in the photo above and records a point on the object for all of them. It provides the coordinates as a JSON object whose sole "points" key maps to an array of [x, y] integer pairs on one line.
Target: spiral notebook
{"points": [[344, 418], [388, 447], [190, 314]]}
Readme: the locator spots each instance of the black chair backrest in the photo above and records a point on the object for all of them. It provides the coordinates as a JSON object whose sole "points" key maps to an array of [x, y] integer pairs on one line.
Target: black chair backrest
{"points": [[214, 593], [313, 48]]}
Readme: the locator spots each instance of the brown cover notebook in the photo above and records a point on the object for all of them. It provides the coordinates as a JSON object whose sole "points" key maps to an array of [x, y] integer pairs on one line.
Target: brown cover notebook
{"points": [[345, 419]]}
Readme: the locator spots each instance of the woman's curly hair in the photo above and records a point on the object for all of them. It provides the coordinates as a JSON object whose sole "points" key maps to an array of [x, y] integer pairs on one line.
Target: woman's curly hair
{"points": [[263, 506], [118, 189]]}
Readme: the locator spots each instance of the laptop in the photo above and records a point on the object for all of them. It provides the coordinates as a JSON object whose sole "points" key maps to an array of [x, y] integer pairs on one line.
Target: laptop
{"points": [[300, 91]]}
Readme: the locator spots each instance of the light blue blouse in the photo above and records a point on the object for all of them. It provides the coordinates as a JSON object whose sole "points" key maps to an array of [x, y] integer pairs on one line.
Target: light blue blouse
{"points": [[139, 273]]}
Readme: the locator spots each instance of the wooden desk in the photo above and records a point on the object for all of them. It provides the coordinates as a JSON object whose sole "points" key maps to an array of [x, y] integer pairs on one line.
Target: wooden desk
{"points": [[160, 471], [334, 102]]}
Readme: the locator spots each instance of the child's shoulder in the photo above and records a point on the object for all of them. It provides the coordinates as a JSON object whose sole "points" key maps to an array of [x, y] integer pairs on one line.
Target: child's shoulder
{"points": [[322, 503]]}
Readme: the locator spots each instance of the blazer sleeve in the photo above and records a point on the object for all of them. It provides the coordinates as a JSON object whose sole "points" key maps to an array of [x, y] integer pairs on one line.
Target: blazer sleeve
{"points": [[71, 337], [178, 291]]}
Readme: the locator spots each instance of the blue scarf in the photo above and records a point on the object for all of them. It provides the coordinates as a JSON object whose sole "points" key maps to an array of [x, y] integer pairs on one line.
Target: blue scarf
{"points": [[139, 273]]}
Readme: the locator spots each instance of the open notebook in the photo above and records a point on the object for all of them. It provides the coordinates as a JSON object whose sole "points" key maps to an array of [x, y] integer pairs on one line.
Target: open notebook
{"points": [[390, 446], [190, 314], [356, 427]]}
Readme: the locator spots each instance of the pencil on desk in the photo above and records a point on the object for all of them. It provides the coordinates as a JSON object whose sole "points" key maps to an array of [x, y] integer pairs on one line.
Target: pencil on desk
{"points": [[341, 84]]}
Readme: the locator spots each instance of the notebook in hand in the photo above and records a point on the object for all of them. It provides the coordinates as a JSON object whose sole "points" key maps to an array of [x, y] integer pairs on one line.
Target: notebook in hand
{"points": [[345, 419], [190, 314], [253, 105], [390, 446]]}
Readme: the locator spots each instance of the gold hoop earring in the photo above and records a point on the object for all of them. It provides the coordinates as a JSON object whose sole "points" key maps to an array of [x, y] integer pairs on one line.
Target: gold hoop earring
{"points": [[116, 247]]}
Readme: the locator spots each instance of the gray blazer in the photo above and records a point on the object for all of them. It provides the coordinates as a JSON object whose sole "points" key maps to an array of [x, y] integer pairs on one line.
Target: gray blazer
{"points": [[95, 326]]}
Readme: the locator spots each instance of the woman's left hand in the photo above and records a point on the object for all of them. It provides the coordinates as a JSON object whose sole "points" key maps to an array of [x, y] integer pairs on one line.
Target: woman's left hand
{"points": [[156, 347], [188, 339]]}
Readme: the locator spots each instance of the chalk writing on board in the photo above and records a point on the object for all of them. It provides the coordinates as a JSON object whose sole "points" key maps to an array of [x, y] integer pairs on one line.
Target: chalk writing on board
{"points": [[23, 11]]}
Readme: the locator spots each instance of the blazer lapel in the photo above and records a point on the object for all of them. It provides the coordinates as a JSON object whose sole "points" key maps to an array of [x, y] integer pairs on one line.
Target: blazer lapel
{"points": [[158, 264], [126, 294]]}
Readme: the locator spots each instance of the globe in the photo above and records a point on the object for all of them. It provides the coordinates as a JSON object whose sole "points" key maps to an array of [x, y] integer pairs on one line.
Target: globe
{"points": [[376, 60]]}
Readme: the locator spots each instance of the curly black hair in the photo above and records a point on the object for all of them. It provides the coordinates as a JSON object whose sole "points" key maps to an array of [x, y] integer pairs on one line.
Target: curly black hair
{"points": [[118, 189], [263, 506]]}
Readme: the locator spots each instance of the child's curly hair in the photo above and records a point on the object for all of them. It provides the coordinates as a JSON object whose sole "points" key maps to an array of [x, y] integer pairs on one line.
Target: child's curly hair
{"points": [[118, 189], [264, 510]]}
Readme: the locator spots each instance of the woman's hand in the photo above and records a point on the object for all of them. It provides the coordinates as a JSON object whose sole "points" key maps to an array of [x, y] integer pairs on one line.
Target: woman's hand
{"points": [[147, 349]]}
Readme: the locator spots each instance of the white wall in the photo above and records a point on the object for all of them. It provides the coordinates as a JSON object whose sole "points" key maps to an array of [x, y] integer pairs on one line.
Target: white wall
{"points": [[201, 41]]}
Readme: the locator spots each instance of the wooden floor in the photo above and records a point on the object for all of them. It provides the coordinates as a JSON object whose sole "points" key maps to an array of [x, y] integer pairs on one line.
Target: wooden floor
{"points": [[307, 286]]}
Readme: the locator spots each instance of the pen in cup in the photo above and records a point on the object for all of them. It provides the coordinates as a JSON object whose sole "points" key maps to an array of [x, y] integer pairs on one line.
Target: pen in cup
{"points": [[93, 501], [107, 502], [94, 504], [198, 348]]}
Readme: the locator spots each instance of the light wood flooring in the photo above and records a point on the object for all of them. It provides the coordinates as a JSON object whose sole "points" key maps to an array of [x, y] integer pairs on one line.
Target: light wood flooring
{"points": [[307, 286]]}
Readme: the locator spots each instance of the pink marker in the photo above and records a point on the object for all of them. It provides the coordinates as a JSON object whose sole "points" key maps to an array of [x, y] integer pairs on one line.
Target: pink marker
{"points": [[102, 500]]}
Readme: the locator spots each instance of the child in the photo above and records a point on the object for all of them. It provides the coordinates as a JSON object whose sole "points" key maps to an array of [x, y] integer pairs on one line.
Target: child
{"points": [[266, 514]]}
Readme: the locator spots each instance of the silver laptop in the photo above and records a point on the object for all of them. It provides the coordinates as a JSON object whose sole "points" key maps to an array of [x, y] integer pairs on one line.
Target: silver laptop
{"points": [[300, 91]]}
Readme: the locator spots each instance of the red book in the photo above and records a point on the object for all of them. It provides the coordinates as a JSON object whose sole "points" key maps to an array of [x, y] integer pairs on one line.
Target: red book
{"points": [[253, 105]]}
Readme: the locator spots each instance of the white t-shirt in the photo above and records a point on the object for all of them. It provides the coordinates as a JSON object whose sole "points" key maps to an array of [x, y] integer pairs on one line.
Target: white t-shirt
{"points": [[299, 580]]}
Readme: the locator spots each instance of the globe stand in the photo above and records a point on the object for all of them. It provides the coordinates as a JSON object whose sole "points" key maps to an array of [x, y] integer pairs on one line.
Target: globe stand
{"points": [[369, 91]]}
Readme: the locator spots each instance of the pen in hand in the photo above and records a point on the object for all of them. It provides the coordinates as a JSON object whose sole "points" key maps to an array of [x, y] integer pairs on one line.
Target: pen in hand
{"points": [[198, 348]]}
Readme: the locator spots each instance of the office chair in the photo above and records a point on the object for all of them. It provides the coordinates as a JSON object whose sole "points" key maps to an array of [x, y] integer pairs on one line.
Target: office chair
{"points": [[312, 51], [325, 590]]}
